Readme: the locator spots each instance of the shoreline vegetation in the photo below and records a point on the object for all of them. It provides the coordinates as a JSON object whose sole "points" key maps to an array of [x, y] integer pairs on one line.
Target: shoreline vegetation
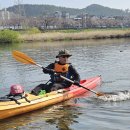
{"points": [[9, 36], [82, 35], [35, 35]]}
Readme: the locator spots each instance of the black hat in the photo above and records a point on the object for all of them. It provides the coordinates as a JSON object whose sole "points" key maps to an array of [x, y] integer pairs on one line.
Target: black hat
{"points": [[63, 53]]}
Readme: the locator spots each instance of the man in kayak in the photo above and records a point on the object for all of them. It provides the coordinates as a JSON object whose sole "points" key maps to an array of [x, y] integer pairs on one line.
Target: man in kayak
{"points": [[60, 67]]}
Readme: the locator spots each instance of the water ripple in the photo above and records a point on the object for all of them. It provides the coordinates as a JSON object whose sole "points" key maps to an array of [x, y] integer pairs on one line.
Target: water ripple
{"points": [[116, 96]]}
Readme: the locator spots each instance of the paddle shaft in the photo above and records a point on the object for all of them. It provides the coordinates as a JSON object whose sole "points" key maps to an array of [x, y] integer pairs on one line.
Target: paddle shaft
{"points": [[71, 81], [39, 65], [78, 84]]}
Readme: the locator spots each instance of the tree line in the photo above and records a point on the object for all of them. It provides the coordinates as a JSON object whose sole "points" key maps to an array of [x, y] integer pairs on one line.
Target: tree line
{"points": [[53, 17]]}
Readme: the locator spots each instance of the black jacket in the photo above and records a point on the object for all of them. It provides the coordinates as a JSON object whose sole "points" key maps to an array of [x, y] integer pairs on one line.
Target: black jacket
{"points": [[71, 70]]}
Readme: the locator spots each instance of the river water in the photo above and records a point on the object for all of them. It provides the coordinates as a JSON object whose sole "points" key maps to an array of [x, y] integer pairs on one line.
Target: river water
{"points": [[108, 58]]}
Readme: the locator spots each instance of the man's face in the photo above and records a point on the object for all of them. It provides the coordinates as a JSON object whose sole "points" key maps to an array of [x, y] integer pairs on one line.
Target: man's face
{"points": [[63, 59]]}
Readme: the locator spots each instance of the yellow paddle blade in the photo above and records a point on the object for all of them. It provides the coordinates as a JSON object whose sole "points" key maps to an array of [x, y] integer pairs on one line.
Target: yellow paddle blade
{"points": [[100, 94], [19, 56]]}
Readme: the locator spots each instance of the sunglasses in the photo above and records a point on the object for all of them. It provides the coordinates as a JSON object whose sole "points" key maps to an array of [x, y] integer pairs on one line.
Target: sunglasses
{"points": [[65, 56]]}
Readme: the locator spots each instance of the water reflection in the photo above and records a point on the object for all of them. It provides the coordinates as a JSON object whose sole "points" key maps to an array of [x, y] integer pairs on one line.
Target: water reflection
{"points": [[60, 116], [66, 119]]}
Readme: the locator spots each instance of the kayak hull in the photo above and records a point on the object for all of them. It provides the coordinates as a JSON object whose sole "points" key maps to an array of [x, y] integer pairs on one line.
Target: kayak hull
{"points": [[11, 108]]}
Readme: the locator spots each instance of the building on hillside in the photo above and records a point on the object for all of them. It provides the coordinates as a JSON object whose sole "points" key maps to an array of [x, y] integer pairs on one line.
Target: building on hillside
{"points": [[62, 14], [57, 14], [65, 15]]}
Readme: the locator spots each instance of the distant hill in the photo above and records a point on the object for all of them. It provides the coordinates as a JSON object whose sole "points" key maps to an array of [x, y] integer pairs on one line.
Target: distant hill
{"points": [[99, 10], [41, 10]]}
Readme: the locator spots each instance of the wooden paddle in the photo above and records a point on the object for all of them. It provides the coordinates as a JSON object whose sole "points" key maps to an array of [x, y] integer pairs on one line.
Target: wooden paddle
{"points": [[23, 58]]}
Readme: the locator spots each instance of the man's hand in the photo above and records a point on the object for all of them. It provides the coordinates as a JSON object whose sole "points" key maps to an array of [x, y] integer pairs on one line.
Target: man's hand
{"points": [[49, 71]]}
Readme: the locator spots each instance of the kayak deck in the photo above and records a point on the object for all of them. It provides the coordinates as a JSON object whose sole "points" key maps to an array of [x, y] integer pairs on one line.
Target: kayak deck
{"points": [[11, 108]]}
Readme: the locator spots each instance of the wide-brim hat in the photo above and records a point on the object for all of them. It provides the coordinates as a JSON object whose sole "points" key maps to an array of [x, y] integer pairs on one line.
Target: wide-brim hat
{"points": [[63, 53]]}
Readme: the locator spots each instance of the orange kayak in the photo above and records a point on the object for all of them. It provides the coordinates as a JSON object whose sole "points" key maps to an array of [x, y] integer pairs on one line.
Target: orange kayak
{"points": [[11, 108]]}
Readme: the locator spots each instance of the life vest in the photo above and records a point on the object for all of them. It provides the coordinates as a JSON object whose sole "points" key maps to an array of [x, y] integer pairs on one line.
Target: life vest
{"points": [[60, 70]]}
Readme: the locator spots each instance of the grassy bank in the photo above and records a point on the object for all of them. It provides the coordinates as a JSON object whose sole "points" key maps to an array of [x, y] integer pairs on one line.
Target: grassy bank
{"points": [[34, 35], [76, 35], [9, 36]]}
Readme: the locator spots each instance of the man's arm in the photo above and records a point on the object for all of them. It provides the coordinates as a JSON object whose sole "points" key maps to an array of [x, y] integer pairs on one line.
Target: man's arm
{"points": [[75, 74], [49, 69]]}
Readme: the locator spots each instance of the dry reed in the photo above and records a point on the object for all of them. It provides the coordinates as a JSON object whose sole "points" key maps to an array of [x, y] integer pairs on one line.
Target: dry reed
{"points": [[82, 35]]}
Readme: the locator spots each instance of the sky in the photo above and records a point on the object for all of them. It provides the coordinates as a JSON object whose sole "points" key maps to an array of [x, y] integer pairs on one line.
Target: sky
{"points": [[117, 4]]}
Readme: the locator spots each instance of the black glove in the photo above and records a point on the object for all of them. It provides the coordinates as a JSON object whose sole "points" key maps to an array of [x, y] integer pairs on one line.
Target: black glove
{"points": [[49, 71], [76, 83]]}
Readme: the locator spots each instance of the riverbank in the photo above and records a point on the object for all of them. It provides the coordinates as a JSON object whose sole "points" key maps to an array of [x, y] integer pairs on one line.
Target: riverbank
{"points": [[76, 35], [35, 35]]}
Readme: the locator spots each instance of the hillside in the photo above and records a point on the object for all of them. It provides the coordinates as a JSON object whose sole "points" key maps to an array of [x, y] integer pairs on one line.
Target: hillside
{"points": [[41, 10], [99, 10]]}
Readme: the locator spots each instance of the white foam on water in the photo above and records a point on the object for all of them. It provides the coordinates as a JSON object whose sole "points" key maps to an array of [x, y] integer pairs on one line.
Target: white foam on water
{"points": [[116, 96]]}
